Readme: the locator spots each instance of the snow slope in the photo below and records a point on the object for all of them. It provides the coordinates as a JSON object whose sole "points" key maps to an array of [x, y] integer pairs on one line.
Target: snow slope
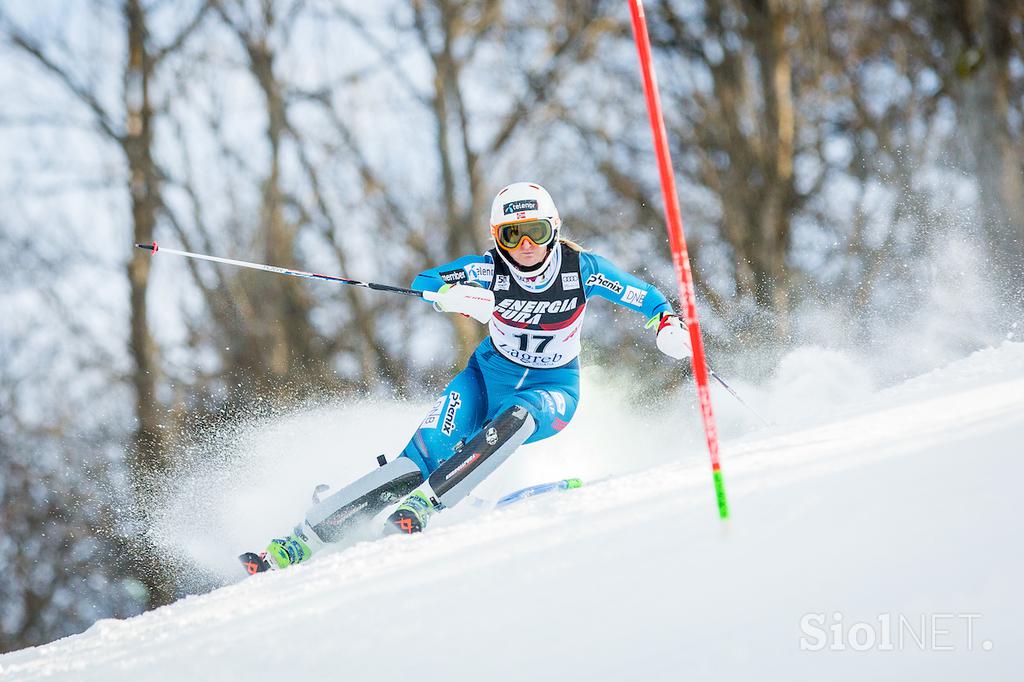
{"points": [[895, 507]]}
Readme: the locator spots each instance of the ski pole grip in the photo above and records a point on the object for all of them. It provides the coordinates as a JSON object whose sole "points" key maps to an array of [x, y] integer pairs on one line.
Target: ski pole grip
{"points": [[149, 247]]}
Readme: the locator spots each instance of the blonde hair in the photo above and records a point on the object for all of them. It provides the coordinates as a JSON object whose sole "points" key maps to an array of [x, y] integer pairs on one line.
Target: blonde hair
{"points": [[571, 244]]}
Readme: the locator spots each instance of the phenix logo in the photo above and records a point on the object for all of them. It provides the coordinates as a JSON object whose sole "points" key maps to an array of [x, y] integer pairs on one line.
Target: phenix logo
{"points": [[449, 415], [530, 311], [597, 279], [520, 205]]}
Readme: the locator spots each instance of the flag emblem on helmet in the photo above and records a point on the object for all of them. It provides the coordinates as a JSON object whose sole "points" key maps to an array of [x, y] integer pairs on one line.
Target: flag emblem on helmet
{"points": [[520, 205]]}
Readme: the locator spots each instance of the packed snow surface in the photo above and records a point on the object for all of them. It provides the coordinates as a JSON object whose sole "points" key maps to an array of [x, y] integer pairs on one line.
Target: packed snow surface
{"points": [[875, 534]]}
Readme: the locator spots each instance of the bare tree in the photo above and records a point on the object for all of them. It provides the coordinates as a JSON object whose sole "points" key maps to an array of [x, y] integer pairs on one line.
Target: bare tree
{"points": [[131, 130], [985, 37], [57, 479]]}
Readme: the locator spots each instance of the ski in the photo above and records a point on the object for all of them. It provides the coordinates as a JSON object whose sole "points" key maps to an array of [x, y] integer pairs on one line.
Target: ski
{"points": [[539, 489], [254, 563]]}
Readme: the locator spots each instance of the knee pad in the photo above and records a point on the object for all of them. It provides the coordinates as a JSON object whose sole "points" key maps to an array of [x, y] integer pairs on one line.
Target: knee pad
{"points": [[552, 410], [481, 455]]}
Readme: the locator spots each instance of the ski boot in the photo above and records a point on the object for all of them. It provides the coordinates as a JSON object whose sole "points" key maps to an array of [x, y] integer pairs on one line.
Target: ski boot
{"points": [[283, 552], [254, 563], [411, 516]]}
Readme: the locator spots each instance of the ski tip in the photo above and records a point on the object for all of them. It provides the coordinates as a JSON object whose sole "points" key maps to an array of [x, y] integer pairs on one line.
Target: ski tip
{"points": [[149, 247]]}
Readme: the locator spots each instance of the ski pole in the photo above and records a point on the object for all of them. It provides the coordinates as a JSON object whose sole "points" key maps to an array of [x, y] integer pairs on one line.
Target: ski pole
{"points": [[427, 295], [737, 396]]}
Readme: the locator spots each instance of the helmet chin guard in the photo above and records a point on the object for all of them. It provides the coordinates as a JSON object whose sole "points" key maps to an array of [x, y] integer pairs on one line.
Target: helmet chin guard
{"points": [[522, 201]]}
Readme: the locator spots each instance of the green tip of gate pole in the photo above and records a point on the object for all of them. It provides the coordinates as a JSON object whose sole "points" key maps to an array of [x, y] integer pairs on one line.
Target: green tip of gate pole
{"points": [[723, 504]]}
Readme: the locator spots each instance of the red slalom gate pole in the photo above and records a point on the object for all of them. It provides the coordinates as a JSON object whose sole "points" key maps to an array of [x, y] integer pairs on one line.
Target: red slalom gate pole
{"points": [[677, 241]]}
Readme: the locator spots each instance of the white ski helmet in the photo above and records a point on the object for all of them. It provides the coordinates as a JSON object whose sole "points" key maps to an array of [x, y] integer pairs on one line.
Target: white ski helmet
{"points": [[524, 203]]}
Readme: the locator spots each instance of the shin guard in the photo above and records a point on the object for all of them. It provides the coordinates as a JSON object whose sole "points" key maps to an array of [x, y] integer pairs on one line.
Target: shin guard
{"points": [[363, 498]]}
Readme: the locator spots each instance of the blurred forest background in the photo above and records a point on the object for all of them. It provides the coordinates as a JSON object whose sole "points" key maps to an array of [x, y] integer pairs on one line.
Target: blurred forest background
{"points": [[826, 151]]}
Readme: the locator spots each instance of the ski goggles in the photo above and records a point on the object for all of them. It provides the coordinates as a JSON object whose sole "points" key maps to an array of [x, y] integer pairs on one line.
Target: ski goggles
{"points": [[511, 235]]}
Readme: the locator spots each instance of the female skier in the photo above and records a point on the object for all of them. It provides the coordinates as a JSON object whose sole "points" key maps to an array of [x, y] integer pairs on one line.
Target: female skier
{"points": [[521, 384]]}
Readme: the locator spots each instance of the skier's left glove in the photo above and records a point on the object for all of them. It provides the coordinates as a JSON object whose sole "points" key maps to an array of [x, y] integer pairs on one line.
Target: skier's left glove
{"points": [[673, 337], [475, 302]]}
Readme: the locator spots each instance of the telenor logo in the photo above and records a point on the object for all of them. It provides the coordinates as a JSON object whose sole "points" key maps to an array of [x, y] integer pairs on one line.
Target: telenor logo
{"points": [[521, 205]]}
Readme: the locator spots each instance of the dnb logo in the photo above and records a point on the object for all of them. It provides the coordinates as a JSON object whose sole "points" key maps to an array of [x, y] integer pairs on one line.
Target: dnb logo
{"points": [[518, 206], [634, 296], [430, 421]]}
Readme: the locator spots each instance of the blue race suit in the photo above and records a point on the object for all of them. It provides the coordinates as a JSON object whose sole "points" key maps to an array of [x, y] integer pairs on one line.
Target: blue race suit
{"points": [[531, 356]]}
